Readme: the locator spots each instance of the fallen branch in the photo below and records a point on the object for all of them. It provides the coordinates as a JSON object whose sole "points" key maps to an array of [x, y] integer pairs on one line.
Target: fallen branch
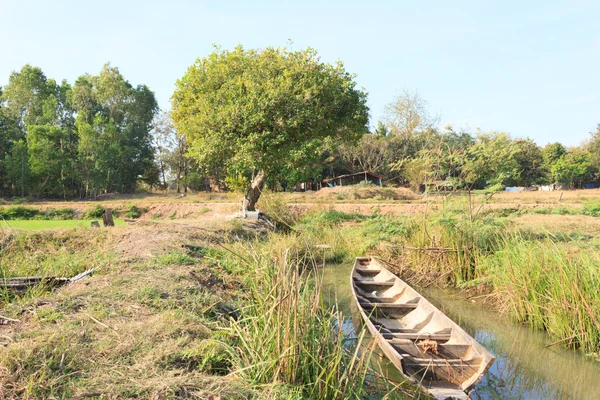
{"points": [[437, 249], [82, 275], [24, 282], [3, 318], [560, 341]]}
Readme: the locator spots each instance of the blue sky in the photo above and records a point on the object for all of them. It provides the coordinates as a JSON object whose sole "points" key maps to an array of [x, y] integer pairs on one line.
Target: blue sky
{"points": [[527, 68]]}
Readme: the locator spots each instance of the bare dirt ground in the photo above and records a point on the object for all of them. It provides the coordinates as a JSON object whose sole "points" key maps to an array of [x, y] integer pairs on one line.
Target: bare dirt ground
{"points": [[399, 201]]}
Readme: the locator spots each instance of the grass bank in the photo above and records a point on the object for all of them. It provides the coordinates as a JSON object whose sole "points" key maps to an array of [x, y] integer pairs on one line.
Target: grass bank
{"points": [[238, 317], [50, 224], [547, 280]]}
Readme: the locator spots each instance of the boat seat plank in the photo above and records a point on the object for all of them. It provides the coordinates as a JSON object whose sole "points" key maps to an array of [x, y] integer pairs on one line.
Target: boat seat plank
{"points": [[389, 283], [368, 271], [370, 285], [389, 306], [442, 362], [411, 348], [438, 337], [378, 297]]}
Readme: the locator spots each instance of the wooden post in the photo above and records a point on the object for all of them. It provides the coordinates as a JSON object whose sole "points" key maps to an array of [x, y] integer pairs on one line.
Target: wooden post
{"points": [[107, 218]]}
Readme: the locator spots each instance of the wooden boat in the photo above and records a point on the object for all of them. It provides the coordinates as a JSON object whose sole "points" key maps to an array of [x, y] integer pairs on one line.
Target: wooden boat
{"points": [[428, 348]]}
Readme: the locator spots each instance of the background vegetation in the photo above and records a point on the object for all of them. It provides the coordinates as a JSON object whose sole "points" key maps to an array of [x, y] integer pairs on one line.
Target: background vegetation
{"points": [[101, 134]]}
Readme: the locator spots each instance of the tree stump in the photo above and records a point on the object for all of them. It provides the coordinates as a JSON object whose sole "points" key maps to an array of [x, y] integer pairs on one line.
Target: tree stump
{"points": [[95, 224], [107, 218]]}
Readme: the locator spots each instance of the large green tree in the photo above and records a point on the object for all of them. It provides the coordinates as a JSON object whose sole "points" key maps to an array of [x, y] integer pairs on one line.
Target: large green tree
{"points": [[42, 139], [573, 168], [593, 146], [530, 159], [491, 161], [267, 113], [114, 124]]}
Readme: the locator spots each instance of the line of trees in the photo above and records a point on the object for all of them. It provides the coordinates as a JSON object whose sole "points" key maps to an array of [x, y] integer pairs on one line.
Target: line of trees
{"points": [[410, 150], [274, 116], [80, 140]]}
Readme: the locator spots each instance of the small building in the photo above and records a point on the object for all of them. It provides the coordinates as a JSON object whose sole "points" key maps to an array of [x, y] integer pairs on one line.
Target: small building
{"points": [[353, 179]]}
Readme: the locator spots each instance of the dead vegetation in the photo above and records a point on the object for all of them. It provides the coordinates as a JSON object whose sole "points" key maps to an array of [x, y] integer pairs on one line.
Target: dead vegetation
{"points": [[358, 192], [143, 327]]}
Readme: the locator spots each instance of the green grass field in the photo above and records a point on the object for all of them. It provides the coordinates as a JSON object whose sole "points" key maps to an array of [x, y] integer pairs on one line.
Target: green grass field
{"points": [[50, 224]]}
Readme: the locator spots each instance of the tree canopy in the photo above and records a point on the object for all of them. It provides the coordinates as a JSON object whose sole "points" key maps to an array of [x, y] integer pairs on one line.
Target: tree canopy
{"points": [[267, 113], [63, 141], [245, 118]]}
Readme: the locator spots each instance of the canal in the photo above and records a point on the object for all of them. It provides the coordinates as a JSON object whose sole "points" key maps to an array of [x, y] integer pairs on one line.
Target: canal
{"points": [[525, 367]]}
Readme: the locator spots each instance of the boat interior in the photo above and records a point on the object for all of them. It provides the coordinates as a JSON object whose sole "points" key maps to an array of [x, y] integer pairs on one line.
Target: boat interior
{"points": [[432, 349]]}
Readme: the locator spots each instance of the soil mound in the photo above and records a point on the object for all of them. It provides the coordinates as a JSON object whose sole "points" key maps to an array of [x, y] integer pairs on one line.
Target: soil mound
{"points": [[360, 193]]}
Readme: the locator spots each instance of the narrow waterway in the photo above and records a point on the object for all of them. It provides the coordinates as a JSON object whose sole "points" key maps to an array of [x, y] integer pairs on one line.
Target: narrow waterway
{"points": [[524, 368]]}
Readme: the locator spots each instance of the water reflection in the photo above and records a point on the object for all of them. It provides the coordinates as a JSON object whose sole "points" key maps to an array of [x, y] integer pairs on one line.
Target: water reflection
{"points": [[524, 367]]}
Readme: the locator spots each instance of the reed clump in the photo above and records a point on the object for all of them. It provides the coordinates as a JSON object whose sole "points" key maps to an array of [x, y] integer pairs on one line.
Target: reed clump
{"points": [[445, 248], [286, 335], [549, 286], [548, 281]]}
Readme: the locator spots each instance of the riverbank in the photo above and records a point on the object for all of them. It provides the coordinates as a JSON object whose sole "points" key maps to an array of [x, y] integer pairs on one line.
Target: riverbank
{"points": [[236, 316], [158, 320]]}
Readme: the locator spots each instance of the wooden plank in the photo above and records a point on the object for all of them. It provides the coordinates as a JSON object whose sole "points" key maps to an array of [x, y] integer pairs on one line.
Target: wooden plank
{"points": [[438, 337], [390, 306]]}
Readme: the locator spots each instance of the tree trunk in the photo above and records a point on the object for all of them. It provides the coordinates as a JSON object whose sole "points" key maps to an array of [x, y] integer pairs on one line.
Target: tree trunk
{"points": [[255, 190]]}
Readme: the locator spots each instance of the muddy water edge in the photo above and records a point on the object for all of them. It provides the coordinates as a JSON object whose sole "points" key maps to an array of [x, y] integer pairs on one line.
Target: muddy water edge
{"points": [[525, 368]]}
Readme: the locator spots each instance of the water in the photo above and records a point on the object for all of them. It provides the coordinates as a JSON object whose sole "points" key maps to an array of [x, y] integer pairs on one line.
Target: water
{"points": [[524, 368]]}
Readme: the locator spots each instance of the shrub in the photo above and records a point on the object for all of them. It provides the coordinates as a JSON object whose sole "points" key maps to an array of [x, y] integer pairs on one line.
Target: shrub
{"points": [[134, 212], [332, 217], [591, 208], [278, 211], [59, 213], [18, 212], [96, 212]]}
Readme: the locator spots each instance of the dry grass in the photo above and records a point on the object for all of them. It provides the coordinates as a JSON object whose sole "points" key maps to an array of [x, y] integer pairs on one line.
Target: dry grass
{"points": [[142, 329], [358, 192], [540, 197], [559, 223]]}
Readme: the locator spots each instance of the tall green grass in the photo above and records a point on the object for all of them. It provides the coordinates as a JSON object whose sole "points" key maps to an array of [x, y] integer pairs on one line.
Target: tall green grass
{"points": [[447, 247], [541, 279], [286, 335], [549, 286]]}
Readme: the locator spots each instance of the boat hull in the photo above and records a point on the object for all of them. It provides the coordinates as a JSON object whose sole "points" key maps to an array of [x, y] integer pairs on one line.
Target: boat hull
{"points": [[425, 345]]}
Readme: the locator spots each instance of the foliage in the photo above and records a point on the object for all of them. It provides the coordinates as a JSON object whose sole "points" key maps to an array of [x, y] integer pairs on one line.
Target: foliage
{"points": [[18, 212], [370, 154], [548, 287], [96, 212], [591, 208], [237, 183], [29, 213], [44, 224], [491, 160], [530, 160], [572, 168], [271, 110], [407, 114], [134, 212], [286, 334], [330, 218], [63, 141], [171, 156]]}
